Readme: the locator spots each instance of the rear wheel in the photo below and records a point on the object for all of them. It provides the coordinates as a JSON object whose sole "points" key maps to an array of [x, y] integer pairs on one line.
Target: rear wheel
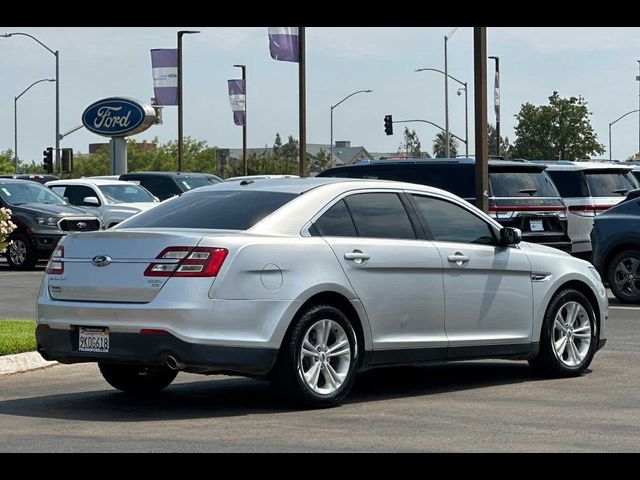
{"points": [[569, 336], [21, 254], [318, 360], [624, 276], [137, 379]]}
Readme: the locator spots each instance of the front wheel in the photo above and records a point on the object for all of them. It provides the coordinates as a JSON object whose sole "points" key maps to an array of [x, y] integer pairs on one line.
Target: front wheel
{"points": [[624, 276], [137, 379], [569, 336], [319, 357], [21, 254]]}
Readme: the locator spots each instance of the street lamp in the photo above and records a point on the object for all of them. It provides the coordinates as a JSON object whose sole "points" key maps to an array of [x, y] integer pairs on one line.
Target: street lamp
{"points": [[57, 80], [244, 126], [446, 90], [466, 104], [180, 126], [334, 106], [496, 102], [15, 117], [615, 121]]}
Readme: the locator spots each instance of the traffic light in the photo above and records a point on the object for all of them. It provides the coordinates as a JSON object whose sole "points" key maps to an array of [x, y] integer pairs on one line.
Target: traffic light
{"points": [[47, 161], [66, 160], [388, 124]]}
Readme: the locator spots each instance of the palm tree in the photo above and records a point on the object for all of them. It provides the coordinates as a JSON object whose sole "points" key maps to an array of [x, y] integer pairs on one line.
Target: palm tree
{"points": [[440, 146]]}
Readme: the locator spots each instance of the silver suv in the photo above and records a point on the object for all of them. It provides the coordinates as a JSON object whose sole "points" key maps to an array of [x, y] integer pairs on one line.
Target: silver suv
{"points": [[589, 188]]}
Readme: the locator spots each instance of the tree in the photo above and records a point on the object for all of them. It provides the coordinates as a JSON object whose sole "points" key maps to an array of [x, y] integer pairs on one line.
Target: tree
{"points": [[6, 162], [440, 146], [277, 144], [410, 144], [558, 131], [505, 148], [290, 149], [320, 162]]}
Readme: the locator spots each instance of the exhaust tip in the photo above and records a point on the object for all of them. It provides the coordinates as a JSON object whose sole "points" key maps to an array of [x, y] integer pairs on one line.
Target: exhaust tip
{"points": [[173, 363]]}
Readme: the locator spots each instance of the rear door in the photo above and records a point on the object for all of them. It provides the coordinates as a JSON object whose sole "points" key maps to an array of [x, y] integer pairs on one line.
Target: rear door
{"points": [[487, 288], [396, 274]]}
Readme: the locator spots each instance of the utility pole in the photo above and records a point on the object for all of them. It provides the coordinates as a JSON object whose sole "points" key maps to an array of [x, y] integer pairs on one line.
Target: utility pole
{"points": [[480, 100]]}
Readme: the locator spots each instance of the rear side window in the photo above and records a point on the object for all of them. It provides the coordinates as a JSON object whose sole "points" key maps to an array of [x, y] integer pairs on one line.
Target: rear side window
{"points": [[448, 222], [225, 210], [380, 215], [569, 184], [604, 184], [521, 183], [336, 222]]}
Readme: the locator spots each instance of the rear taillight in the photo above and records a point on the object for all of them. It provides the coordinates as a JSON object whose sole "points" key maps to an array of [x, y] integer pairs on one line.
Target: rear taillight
{"points": [[583, 210], [188, 262], [56, 265]]}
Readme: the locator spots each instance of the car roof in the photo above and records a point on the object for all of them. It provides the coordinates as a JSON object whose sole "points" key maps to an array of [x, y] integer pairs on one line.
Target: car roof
{"points": [[566, 165], [301, 185], [442, 161], [88, 181], [168, 174], [6, 181], [258, 177]]}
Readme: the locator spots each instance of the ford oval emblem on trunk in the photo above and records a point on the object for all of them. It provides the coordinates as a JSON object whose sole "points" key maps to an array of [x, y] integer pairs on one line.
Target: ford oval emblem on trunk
{"points": [[101, 260]]}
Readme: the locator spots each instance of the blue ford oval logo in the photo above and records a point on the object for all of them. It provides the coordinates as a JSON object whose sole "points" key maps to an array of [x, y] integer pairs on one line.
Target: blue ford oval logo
{"points": [[115, 117], [101, 260]]}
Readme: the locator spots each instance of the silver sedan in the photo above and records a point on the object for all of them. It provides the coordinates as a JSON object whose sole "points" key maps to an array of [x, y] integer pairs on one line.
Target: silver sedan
{"points": [[307, 282]]}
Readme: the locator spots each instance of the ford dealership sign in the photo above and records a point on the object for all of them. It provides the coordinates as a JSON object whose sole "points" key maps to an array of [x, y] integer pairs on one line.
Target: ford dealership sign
{"points": [[118, 117]]}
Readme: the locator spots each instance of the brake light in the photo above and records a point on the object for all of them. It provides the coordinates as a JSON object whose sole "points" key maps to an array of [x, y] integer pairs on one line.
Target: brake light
{"points": [[188, 262], [56, 265]]}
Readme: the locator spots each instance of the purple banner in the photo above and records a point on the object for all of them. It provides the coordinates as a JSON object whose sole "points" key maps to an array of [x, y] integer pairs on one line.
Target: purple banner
{"points": [[238, 99], [496, 95], [283, 44], [164, 64]]}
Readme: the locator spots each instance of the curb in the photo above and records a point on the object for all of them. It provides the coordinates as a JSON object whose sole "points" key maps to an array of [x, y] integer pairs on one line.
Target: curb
{"points": [[23, 362]]}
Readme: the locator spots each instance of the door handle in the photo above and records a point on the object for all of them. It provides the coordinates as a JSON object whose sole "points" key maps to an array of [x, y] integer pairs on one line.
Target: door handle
{"points": [[357, 256], [458, 258]]}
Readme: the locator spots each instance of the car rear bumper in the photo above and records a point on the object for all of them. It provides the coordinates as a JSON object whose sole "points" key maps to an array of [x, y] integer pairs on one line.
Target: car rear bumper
{"points": [[153, 349]]}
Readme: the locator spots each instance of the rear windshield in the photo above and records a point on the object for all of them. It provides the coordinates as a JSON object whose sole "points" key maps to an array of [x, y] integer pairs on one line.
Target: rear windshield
{"points": [[519, 183], [224, 210], [604, 184]]}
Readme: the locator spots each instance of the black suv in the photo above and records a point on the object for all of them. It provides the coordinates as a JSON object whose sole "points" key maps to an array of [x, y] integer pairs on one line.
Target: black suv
{"points": [[42, 218], [169, 184], [34, 177], [521, 194]]}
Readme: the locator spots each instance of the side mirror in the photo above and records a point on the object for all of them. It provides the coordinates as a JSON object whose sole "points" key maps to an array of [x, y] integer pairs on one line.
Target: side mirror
{"points": [[92, 201], [510, 236]]}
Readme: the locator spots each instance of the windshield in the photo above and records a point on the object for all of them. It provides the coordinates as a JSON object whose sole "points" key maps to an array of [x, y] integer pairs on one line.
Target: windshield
{"points": [[28, 192], [125, 194], [189, 183], [614, 184], [211, 209], [519, 183]]}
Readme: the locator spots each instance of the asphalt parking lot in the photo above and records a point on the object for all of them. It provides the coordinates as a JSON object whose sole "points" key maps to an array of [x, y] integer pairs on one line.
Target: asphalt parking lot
{"points": [[467, 406]]}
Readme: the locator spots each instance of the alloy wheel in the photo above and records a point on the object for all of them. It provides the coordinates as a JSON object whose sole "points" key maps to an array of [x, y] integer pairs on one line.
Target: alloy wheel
{"points": [[571, 334]]}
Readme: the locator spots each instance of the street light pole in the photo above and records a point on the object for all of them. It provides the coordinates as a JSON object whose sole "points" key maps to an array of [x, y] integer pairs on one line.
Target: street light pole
{"points": [[334, 106], [446, 92], [466, 102], [244, 126], [180, 119], [614, 122], [15, 118], [57, 80], [496, 100]]}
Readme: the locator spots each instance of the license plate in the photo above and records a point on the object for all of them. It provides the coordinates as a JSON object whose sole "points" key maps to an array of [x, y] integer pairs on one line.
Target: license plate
{"points": [[93, 340], [536, 225]]}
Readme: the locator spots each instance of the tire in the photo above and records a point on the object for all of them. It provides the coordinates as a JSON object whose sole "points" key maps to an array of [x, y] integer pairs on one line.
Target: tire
{"points": [[623, 275], [21, 254], [581, 338], [332, 375], [136, 378]]}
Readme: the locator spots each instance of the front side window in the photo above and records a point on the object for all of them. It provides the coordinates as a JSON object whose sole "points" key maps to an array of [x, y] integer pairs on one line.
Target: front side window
{"points": [[125, 193], [77, 193], [448, 222], [380, 215]]}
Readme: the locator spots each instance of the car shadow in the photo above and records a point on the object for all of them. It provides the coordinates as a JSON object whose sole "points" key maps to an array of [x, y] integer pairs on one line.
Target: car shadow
{"points": [[234, 396]]}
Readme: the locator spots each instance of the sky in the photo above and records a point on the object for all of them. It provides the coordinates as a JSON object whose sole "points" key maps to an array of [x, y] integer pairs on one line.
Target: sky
{"points": [[599, 64]]}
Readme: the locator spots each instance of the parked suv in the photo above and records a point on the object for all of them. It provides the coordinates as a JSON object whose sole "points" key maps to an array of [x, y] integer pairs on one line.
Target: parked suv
{"points": [[521, 194], [113, 200], [169, 184], [589, 188], [42, 218], [616, 248]]}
